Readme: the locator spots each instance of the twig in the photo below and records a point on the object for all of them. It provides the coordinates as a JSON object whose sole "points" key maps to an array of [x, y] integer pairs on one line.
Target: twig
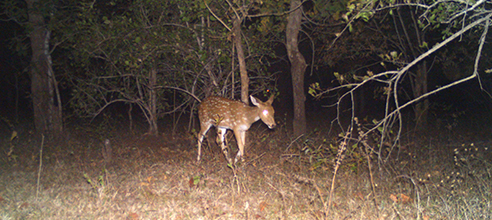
{"points": [[338, 162], [256, 158], [278, 14], [417, 192], [293, 142], [312, 182], [367, 151], [217, 17], [180, 89], [235, 179]]}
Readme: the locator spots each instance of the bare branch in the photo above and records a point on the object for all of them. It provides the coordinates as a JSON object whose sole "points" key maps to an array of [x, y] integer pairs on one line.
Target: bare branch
{"points": [[432, 50], [278, 14], [217, 17], [180, 89]]}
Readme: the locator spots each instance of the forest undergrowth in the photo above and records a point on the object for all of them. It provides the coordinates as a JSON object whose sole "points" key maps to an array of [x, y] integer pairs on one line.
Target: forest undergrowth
{"points": [[127, 175]]}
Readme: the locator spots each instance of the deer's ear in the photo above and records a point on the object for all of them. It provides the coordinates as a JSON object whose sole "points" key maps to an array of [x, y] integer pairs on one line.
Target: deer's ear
{"points": [[270, 100], [254, 100]]}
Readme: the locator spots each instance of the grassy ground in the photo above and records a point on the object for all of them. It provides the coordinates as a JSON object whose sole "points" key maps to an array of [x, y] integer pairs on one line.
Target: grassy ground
{"points": [[145, 177]]}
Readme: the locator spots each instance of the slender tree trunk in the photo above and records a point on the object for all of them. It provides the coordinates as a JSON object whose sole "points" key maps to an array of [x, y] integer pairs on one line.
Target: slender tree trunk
{"points": [[47, 114], [359, 104], [298, 66], [421, 108], [242, 62], [153, 129], [420, 80]]}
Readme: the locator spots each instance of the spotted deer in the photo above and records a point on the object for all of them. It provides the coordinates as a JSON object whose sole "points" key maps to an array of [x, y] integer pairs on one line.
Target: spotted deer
{"points": [[226, 114]]}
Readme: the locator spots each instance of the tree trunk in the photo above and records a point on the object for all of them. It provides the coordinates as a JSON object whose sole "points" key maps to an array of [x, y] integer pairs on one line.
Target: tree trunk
{"points": [[47, 114], [298, 66], [421, 108], [359, 105], [242, 62], [153, 127]]}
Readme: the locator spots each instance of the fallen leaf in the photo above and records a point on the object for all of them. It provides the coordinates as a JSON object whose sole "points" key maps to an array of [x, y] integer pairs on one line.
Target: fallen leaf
{"points": [[405, 199], [24, 205], [394, 198], [191, 182], [263, 205], [359, 195], [132, 216]]}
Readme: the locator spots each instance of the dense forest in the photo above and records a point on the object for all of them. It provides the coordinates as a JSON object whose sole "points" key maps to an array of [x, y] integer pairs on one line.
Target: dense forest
{"points": [[355, 84]]}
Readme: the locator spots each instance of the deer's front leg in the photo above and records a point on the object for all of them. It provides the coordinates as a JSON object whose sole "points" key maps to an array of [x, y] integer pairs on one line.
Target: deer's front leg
{"points": [[241, 142], [201, 136], [221, 132]]}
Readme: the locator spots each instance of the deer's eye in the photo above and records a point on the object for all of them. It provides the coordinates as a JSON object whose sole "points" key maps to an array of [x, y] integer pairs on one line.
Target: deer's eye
{"points": [[265, 112]]}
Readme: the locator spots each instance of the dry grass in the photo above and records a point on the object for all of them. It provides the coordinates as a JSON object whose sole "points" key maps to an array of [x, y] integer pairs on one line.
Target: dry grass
{"points": [[157, 178]]}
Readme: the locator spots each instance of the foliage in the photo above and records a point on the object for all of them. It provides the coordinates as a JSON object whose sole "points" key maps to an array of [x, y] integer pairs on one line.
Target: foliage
{"points": [[115, 53], [150, 53], [114, 47], [321, 153], [389, 52]]}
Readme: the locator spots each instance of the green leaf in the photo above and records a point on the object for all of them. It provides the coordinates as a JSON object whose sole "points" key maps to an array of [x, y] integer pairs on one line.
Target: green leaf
{"points": [[432, 18], [13, 136], [196, 180]]}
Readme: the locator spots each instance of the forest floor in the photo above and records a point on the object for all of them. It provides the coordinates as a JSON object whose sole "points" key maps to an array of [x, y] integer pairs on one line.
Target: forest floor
{"points": [[437, 176]]}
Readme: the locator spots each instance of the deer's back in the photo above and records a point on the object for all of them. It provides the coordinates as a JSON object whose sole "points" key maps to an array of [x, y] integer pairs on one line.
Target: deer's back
{"points": [[223, 111]]}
